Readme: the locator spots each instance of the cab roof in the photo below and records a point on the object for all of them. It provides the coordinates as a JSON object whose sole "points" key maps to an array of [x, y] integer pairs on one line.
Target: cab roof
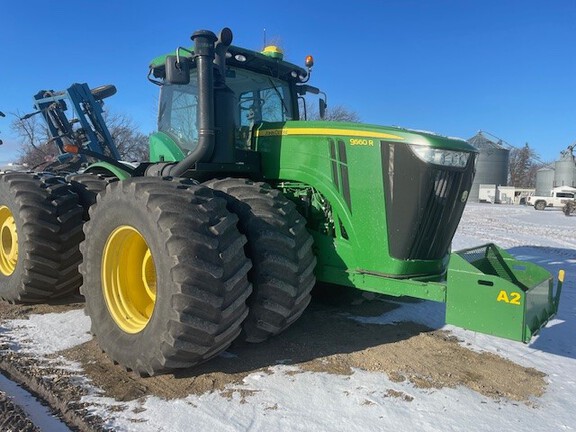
{"points": [[245, 59]]}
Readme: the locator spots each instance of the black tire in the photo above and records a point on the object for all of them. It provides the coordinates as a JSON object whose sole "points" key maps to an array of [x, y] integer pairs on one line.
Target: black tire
{"points": [[41, 229], [88, 186], [198, 275], [102, 92], [280, 248], [540, 205]]}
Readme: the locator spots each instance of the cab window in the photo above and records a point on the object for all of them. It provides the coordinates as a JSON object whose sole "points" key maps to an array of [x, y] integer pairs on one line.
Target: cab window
{"points": [[178, 114]]}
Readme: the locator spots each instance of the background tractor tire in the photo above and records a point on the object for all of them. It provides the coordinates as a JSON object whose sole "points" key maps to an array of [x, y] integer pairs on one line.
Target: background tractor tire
{"points": [[104, 91], [40, 232], [569, 208], [280, 248], [88, 186], [165, 274]]}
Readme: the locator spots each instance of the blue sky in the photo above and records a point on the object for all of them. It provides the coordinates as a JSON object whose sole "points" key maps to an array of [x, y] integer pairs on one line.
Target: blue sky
{"points": [[453, 67]]}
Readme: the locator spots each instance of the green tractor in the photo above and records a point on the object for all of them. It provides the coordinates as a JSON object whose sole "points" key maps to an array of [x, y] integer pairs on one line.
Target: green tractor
{"points": [[243, 206]]}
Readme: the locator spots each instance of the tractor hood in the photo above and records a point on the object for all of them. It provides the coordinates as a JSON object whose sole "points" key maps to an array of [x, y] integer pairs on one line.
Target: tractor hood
{"points": [[405, 187]]}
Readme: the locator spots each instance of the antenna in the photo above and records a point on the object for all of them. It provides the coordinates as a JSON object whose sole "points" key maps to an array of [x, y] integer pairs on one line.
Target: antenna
{"points": [[264, 46]]}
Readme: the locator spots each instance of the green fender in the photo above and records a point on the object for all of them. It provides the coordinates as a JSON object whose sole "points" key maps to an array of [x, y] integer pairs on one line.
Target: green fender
{"points": [[108, 170]]}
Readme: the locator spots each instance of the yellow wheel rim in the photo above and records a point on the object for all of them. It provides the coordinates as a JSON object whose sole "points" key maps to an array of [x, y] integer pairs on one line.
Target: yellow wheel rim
{"points": [[9, 239], [128, 279]]}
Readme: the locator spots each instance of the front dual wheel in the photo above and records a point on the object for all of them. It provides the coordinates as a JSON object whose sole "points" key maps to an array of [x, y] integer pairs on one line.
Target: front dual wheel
{"points": [[165, 274], [280, 249]]}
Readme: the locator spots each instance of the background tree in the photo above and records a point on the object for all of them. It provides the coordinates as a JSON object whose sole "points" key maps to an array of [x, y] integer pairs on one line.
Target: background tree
{"points": [[33, 134], [36, 148], [341, 113], [522, 168], [130, 142], [333, 113]]}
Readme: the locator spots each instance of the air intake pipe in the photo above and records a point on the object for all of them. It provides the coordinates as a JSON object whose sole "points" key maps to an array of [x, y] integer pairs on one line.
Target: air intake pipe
{"points": [[225, 104], [204, 57]]}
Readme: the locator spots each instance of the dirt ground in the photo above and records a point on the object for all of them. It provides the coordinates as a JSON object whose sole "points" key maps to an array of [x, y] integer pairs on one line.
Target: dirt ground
{"points": [[323, 340]]}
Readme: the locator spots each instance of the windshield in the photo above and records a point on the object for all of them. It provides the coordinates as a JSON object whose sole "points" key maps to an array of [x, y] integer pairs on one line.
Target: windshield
{"points": [[259, 98]]}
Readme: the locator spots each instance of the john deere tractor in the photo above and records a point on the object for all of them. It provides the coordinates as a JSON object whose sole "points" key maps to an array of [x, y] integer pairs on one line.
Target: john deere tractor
{"points": [[242, 207]]}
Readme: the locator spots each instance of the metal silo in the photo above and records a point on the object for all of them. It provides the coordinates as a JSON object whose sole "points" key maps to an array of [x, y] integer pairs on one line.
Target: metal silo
{"points": [[565, 170], [544, 181], [491, 165]]}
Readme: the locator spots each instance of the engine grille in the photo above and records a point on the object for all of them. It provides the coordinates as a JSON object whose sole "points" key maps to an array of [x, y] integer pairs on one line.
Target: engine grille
{"points": [[424, 202]]}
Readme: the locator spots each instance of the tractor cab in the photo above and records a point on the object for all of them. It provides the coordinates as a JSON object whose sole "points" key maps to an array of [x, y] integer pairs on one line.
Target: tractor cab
{"points": [[223, 98], [256, 98]]}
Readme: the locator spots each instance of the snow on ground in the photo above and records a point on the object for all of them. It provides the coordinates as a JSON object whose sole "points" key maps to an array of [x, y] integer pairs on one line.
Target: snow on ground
{"points": [[363, 401]]}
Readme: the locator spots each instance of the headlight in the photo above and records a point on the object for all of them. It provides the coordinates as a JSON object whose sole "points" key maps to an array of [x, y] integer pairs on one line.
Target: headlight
{"points": [[442, 157]]}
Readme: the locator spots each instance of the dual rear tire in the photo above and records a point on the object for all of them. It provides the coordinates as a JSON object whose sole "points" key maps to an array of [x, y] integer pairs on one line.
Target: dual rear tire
{"points": [[40, 230]]}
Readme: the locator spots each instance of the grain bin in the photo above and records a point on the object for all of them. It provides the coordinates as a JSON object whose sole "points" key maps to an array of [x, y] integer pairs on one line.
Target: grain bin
{"points": [[565, 170], [491, 165], [544, 181]]}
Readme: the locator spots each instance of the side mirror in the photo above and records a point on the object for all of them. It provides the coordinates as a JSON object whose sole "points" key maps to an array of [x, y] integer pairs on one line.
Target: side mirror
{"points": [[177, 70], [322, 108], [305, 88]]}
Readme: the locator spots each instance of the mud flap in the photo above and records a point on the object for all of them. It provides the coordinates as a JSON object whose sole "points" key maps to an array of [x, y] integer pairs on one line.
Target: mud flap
{"points": [[491, 292]]}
